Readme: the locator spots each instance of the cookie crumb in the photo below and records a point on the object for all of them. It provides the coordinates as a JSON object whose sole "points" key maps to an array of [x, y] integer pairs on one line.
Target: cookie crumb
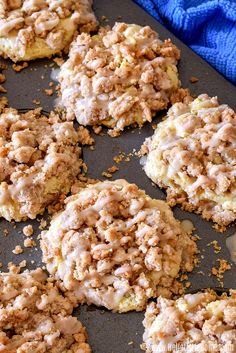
{"points": [[18, 250], [216, 246], [28, 230], [5, 232], [20, 67], [193, 79], [23, 264], [36, 101], [223, 267], [49, 92], [29, 243]]}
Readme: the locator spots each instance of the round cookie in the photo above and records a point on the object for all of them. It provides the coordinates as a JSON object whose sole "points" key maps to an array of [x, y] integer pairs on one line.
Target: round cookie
{"points": [[114, 246], [39, 162], [35, 317], [192, 155], [119, 77], [201, 322], [31, 29]]}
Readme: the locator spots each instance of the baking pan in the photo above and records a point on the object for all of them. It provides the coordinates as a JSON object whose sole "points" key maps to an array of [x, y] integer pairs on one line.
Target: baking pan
{"points": [[108, 332]]}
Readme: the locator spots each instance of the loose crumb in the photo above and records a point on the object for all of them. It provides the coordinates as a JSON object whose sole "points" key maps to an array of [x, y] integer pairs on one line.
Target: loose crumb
{"points": [[28, 230], [216, 246], [23, 264], [36, 101], [5, 232], [29, 243], [223, 267], [49, 92], [193, 79], [108, 173], [20, 67], [18, 250]]}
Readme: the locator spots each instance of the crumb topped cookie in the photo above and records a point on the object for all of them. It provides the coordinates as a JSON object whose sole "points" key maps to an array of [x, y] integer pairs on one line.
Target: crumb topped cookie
{"points": [[119, 77], [193, 155], [35, 317], [39, 162], [31, 29], [201, 322], [114, 246]]}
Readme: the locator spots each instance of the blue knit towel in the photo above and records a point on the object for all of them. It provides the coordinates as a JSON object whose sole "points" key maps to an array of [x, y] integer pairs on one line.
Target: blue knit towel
{"points": [[208, 27]]}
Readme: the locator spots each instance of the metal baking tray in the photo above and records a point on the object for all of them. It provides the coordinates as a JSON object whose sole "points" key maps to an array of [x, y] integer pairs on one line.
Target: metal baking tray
{"points": [[109, 332]]}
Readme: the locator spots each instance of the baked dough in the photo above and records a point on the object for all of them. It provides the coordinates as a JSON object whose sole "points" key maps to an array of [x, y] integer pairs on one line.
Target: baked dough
{"points": [[39, 162], [193, 155], [31, 29], [114, 246], [119, 77]]}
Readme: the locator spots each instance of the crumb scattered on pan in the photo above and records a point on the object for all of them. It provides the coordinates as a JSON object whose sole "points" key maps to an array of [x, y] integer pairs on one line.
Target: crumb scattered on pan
{"points": [[29, 243], [110, 171], [222, 268], [36, 101], [18, 250], [49, 91], [20, 67], [194, 79], [23, 264], [5, 232], [28, 230], [122, 157], [216, 246]]}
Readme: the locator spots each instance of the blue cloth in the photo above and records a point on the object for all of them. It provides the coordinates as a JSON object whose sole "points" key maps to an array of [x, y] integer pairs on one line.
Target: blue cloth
{"points": [[208, 27]]}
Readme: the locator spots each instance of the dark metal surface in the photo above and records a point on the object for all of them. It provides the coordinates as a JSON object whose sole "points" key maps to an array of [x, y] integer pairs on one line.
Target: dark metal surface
{"points": [[108, 332]]}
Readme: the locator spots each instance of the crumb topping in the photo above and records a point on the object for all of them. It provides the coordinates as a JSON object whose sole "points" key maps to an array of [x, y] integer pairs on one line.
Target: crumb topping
{"points": [[201, 322], [116, 247], [39, 161], [192, 154], [119, 77], [35, 317], [53, 21]]}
